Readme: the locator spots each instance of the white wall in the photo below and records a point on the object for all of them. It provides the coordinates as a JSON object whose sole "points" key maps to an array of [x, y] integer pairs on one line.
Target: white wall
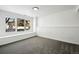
{"points": [[62, 26], [7, 37], [17, 37]]}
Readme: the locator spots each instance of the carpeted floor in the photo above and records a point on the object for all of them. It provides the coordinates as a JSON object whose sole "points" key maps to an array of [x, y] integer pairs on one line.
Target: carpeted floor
{"points": [[39, 45]]}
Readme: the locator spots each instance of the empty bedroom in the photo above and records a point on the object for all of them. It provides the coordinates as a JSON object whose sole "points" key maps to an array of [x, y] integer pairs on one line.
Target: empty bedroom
{"points": [[39, 29]]}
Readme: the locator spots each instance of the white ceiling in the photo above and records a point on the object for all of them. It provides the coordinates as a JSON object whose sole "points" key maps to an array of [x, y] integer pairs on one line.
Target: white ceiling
{"points": [[44, 10]]}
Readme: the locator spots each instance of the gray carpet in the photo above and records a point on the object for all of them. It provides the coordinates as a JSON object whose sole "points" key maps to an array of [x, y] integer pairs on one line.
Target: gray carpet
{"points": [[39, 45]]}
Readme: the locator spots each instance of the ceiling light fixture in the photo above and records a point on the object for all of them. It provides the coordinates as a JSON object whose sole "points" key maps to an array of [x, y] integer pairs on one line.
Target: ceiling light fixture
{"points": [[35, 8]]}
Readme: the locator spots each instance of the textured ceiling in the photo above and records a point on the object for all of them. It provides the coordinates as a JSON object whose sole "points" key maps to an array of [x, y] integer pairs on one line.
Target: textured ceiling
{"points": [[44, 10]]}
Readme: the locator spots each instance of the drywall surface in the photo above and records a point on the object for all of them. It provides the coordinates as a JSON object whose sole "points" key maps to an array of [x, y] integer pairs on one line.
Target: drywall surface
{"points": [[62, 26], [7, 37], [13, 38]]}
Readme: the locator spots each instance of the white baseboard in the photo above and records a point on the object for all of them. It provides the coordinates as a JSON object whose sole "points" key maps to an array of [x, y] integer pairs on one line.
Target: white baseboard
{"points": [[59, 39], [10, 39]]}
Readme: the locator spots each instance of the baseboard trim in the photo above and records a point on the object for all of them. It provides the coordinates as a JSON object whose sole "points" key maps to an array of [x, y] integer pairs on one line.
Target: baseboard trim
{"points": [[8, 40], [58, 40]]}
